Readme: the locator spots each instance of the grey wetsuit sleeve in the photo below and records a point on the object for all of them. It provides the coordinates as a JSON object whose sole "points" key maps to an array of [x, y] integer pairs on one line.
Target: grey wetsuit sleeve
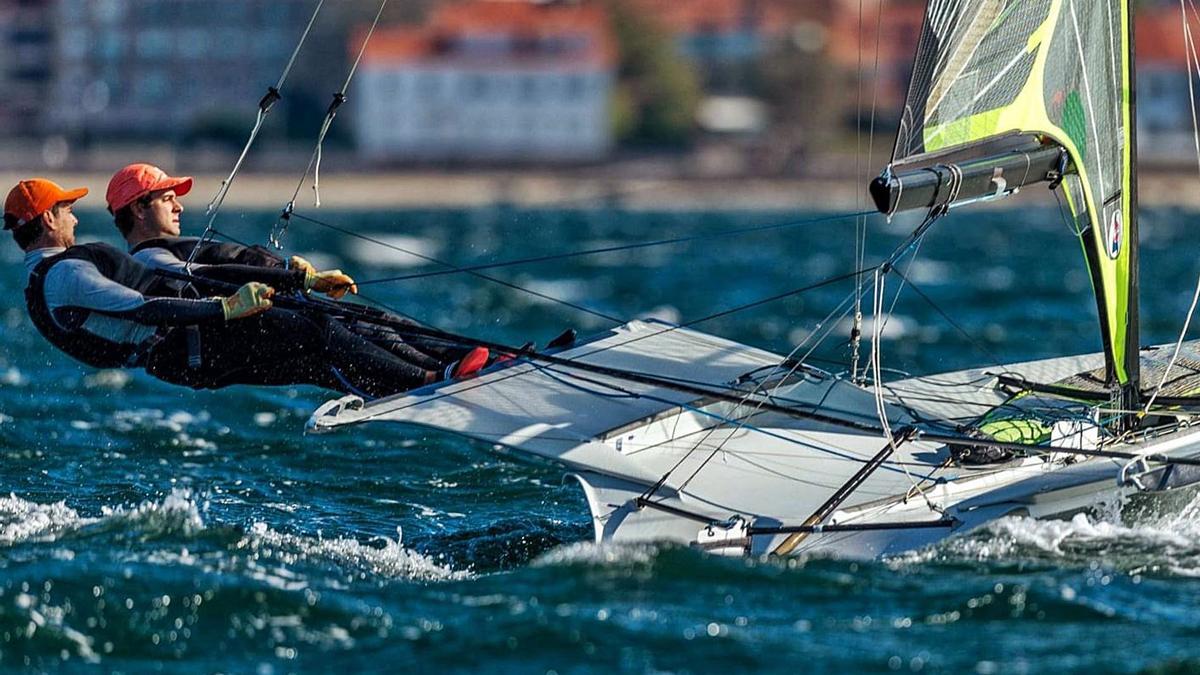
{"points": [[78, 284]]}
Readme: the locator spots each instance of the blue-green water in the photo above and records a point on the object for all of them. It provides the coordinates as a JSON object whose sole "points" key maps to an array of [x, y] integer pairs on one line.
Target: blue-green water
{"points": [[147, 527]]}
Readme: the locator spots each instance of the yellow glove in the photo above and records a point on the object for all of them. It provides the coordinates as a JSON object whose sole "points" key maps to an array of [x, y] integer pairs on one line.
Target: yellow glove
{"points": [[301, 264], [252, 298], [333, 283]]}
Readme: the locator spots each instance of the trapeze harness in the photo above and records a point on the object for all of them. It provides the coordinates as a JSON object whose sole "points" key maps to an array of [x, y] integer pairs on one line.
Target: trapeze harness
{"points": [[66, 327]]}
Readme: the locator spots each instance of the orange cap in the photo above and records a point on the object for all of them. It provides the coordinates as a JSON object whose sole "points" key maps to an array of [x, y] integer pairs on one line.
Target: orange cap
{"points": [[138, 180], [31, 198]]}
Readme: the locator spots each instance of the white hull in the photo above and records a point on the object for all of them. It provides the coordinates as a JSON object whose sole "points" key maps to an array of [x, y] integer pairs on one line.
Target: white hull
{"points": [[729, 462]]}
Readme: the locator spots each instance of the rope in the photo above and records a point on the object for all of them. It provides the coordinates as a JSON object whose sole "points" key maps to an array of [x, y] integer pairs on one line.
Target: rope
{"points": [[1175, 355], [860, 232], [878, 272], [877, 377], [314, 162], [974, 342], [575, 254], [264, 107], [454, 268], [1193, 63]]}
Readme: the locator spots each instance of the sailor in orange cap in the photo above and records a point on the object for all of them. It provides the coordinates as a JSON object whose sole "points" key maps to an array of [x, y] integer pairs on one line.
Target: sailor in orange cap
{"points": [[93, 301], [146, 203], [100, 306]]}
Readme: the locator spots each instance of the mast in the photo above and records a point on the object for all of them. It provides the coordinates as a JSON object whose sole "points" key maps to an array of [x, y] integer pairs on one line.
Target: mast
{"points": [[1130, 393]]}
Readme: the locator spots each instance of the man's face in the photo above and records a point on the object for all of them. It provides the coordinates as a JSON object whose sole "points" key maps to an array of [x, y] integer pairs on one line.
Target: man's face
{"points": [[161, 214], [61, 219]]}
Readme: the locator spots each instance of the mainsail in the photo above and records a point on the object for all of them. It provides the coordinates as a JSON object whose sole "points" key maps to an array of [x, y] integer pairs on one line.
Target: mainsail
{"points": [[1057, 73]]}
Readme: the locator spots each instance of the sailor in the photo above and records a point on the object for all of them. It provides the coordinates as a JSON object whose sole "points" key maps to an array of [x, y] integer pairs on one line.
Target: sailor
{"points": [[146, 204], [100, 306]]}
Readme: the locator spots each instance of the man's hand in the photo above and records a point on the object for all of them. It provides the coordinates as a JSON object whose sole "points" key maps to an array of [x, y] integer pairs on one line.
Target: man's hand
{"points": [[333, 283], [253, 298], [298, 263]]}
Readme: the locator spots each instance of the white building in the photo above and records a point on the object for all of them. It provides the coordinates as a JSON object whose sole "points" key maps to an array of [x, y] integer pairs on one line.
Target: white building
{"points": [[489, 81]]}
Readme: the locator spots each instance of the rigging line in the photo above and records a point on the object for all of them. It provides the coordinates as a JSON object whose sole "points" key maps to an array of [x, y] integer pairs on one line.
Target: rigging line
{"points": [[369, 299], [903, 281], [576, 254], [264, 107], [314, 161], [899, 251], [1192, 61], [760, 387], [467, 270], [931, 218], [429, 332], [861, 233], [1070, 221], [877, 377], [859, 223], [722, 421], [720, 395], [976, 343], [829, 323], [1174, 356], [338, 99], [755, 391]]}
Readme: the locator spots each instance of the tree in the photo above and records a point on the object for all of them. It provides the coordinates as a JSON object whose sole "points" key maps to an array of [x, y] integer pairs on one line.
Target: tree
{"points": [[657, 91]]}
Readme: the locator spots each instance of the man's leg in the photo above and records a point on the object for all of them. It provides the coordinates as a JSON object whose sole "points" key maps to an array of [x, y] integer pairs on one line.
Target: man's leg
{"points": [[281, 347], [394, 340]]}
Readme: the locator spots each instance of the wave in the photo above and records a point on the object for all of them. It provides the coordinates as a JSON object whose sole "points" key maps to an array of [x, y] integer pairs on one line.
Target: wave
{"points": [[165, 529], [1147, 541]]}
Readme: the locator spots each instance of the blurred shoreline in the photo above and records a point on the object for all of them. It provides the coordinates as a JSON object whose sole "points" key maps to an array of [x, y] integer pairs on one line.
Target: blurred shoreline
{"points": [[571, 189]]}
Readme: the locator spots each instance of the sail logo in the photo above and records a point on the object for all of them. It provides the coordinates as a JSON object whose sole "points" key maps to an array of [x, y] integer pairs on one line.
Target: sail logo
{"points": [[1116, 232]]}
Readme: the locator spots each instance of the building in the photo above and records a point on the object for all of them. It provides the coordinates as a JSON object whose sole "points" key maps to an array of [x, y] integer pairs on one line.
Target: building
{"points": [[27, 31], [1164, 112], [717, 34], [490, 80], [164, 67]]}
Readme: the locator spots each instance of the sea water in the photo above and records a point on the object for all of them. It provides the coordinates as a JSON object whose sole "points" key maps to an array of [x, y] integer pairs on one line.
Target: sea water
{"points": [[146, 527]]}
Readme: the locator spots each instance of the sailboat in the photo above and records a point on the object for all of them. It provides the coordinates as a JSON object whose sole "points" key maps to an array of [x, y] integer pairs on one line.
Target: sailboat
{"points": [[674, 434]]}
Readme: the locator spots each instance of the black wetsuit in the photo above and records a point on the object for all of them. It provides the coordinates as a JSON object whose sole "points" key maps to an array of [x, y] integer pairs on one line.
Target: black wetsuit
{"points": [[104, 308]]}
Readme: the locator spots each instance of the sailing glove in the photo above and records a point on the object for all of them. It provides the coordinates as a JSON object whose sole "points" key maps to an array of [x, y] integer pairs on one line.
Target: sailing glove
{"points": [[301, 264], [333, 283], [252, 298]]}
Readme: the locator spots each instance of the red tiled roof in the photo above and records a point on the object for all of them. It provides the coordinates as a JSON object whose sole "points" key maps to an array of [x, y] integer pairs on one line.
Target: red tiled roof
{"points": [[1159, 37], [480, 18], [700, 16]]}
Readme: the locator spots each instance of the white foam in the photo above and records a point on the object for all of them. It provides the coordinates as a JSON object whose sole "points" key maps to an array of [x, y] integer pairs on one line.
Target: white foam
{"points": [[13, 377], [107, 379], [606, 554], [389, 559], [389, 255], [177, 512], [22, 520], [150, 418], [1169, 541]]}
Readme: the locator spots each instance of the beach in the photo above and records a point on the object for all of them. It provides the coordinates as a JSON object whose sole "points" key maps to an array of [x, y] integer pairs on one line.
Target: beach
{"points": [[546, 188]]}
